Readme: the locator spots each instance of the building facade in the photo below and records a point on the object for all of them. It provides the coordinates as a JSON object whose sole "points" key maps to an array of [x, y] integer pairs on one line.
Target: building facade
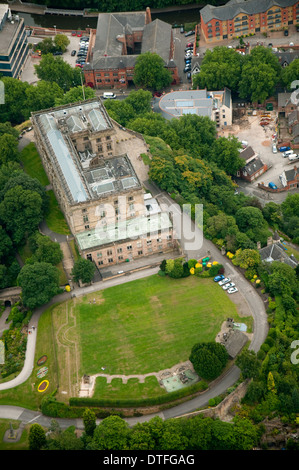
{"points": [[239, 18], [111, 217], [13, 43], [120, 38], [217, 105]]}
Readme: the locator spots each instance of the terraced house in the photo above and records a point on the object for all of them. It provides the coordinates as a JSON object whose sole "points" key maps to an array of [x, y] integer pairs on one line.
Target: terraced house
{"points": [[111, 217], [238, 18]]}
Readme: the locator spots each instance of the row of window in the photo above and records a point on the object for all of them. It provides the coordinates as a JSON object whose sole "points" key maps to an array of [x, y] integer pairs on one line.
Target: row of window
{"points": [[129, 247]]}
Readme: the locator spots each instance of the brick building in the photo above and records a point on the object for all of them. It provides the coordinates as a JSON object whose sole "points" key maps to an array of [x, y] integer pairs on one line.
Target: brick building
{"points": [[120, 38], [239, 18], [97, 188]]}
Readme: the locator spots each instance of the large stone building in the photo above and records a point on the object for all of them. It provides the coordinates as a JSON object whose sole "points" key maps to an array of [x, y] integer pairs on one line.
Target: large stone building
{"points": [[239, 18], [111, 217], [120, 38], [13, 43]]}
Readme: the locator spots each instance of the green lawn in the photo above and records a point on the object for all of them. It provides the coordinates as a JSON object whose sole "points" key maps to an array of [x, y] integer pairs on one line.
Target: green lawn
{"points": [[150, 324], [55, 219], [32, 164], [22, 444], [133, 389]]}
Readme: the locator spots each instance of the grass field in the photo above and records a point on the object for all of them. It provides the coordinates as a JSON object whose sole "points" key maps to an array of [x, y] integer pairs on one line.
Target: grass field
{"points": [[150, 324], [32, 164], [55, 219]]}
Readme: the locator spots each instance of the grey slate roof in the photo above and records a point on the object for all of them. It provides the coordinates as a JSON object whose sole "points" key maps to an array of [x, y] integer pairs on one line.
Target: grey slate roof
{"points": [[235, 7], [247, 153], [108, 49], [156, 38], [236, 340], [286, 57], [253, 166], [293, 117], [276, 252], [283, 99]]}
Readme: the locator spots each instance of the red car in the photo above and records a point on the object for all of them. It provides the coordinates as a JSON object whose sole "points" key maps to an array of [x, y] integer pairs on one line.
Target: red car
{"points": [[79, 34], [189, 44], [74, 33]]}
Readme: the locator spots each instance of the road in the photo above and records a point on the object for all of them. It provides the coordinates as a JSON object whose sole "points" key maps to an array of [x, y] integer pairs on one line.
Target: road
{"points": [[202, 247]]}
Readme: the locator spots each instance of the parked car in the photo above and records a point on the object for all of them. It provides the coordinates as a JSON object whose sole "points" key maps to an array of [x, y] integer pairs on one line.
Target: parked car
{"points": [[182, 29], [286, 32], [274, 148], [287, 153], [272, 185], [57, 53], [228, 285], [187, 68], [74, 33], [79, 34], [189, 33], [79, 65], [73, 53], [293, 157], [219, 278], [189, 44], [224, 281], [284, 149], [231, 290], [189, 75]]}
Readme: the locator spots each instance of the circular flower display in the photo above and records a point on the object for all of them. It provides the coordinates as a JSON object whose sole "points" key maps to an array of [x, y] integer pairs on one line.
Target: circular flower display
{"points": [[42, 372], [43, 386], [42, 360]]}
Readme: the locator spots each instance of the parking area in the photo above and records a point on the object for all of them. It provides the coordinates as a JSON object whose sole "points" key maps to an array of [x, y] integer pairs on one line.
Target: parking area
{"points": [[28, 74]]}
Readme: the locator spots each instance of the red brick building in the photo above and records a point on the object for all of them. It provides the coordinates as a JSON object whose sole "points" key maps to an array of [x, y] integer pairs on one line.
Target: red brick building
{"points": [[239, 18], [120, 38]]}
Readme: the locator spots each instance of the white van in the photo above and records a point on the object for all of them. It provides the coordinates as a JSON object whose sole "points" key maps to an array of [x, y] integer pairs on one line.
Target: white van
{"points": [[109, 95], [293, 157], [287, 153]]}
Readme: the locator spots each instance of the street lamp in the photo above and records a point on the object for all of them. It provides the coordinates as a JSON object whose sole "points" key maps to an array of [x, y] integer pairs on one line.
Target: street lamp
{"points": [[55, 29]]}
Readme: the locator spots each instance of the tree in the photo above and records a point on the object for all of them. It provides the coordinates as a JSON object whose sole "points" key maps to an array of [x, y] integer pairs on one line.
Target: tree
{"points": [[248, 363], [21, 212], [46, 46], [226, 154], [39, 283], [6, 128], [220, 68], [61, 41], [8, 149], [45, 250], [43, 95], [89, 421], [208, 359], [74, 95], [249, 218], [260, 74], [15, 109], [150, 72], [140, 100], [111, 434], [55, 69], [290, 74], [83, 270], [247, 258], [37, 437]]}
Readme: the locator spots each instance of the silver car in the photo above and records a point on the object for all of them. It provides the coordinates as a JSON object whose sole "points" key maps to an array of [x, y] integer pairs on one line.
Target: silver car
{"points": [[228, 285], [224, 281]]}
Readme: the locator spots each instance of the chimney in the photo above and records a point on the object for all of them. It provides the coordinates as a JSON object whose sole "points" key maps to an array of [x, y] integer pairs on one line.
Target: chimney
{"points": [[148, 16]]}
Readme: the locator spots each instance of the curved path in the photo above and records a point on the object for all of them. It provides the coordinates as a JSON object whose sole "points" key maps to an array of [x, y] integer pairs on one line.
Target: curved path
{"points": [[249, 293]]}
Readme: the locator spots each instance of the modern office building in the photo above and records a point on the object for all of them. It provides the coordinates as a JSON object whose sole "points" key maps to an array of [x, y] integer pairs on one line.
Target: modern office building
{"points": [[240, 18], [13, 43], [111, 217], [120, 38], [217, 105]]}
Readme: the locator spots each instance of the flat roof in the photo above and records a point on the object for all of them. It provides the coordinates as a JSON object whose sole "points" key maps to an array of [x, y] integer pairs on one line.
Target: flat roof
{"points": [[7, 34], [138, 227]]}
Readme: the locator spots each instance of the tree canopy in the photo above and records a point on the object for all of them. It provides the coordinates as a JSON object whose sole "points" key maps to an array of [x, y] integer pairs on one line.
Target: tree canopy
{"points": [[150, 72]]}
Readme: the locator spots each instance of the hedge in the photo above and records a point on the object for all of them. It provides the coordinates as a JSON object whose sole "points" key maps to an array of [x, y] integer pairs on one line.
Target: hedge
{"points": [[130, 403]]}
